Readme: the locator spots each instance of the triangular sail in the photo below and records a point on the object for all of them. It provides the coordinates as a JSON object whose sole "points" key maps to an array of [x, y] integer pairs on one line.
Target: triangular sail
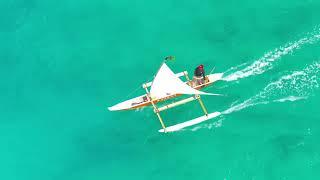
{"points": [[166, 83]]}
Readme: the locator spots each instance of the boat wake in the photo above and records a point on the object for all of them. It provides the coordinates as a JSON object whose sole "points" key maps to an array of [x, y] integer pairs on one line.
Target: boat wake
{"points": [[295, 86], [292, 87], [266, 62], [290, 98]]}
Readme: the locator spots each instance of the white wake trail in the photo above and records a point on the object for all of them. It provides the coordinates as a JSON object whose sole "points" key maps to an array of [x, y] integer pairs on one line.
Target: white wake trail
{"points": [[290, 98], [292, 87], [265, 63]]}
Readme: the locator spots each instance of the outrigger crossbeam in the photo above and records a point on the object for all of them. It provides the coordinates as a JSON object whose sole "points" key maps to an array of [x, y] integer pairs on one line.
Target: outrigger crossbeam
{"points": [[155, 108], [202, 105], [178, 103]]}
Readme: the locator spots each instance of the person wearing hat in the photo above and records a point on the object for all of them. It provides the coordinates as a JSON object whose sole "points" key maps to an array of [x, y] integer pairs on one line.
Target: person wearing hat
{"points": [[199, 76]]}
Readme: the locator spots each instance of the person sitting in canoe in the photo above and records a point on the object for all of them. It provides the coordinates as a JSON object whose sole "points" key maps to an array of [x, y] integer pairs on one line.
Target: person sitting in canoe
{"points": [[199, 76]]}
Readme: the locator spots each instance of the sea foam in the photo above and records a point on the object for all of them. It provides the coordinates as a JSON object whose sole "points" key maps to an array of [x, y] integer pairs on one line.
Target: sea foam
{"points": [[297, 85], [266, 62]]}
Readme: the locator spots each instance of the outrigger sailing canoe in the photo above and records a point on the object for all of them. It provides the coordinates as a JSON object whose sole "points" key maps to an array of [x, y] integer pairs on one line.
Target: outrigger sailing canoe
{"points": [[167, 85]]}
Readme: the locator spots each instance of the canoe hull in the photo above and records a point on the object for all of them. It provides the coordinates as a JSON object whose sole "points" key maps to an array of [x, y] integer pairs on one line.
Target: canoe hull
{"points": [[142, 101]]}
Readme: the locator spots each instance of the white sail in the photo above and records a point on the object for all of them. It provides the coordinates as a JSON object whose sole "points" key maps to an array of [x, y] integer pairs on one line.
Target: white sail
{"points": [[166, 83]]}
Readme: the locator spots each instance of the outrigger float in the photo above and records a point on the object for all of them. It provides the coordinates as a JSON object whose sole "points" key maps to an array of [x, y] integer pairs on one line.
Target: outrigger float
{"points": [[167, 85]]}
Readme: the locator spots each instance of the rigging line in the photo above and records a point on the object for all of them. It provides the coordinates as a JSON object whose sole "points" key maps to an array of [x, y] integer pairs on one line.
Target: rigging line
{"points": [[138, 88], [132, 92], [212, 70]]}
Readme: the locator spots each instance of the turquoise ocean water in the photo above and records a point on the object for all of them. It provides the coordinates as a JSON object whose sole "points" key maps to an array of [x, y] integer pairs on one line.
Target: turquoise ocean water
{"points": [[62, 63]]}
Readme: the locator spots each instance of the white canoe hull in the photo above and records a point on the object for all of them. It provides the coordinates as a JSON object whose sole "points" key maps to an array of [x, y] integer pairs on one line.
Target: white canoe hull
{"points": [[195, 121], [141, 101]]}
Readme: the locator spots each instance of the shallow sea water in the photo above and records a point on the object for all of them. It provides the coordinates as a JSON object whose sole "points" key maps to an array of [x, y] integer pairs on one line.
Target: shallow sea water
{"points": [[64, 62]]}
